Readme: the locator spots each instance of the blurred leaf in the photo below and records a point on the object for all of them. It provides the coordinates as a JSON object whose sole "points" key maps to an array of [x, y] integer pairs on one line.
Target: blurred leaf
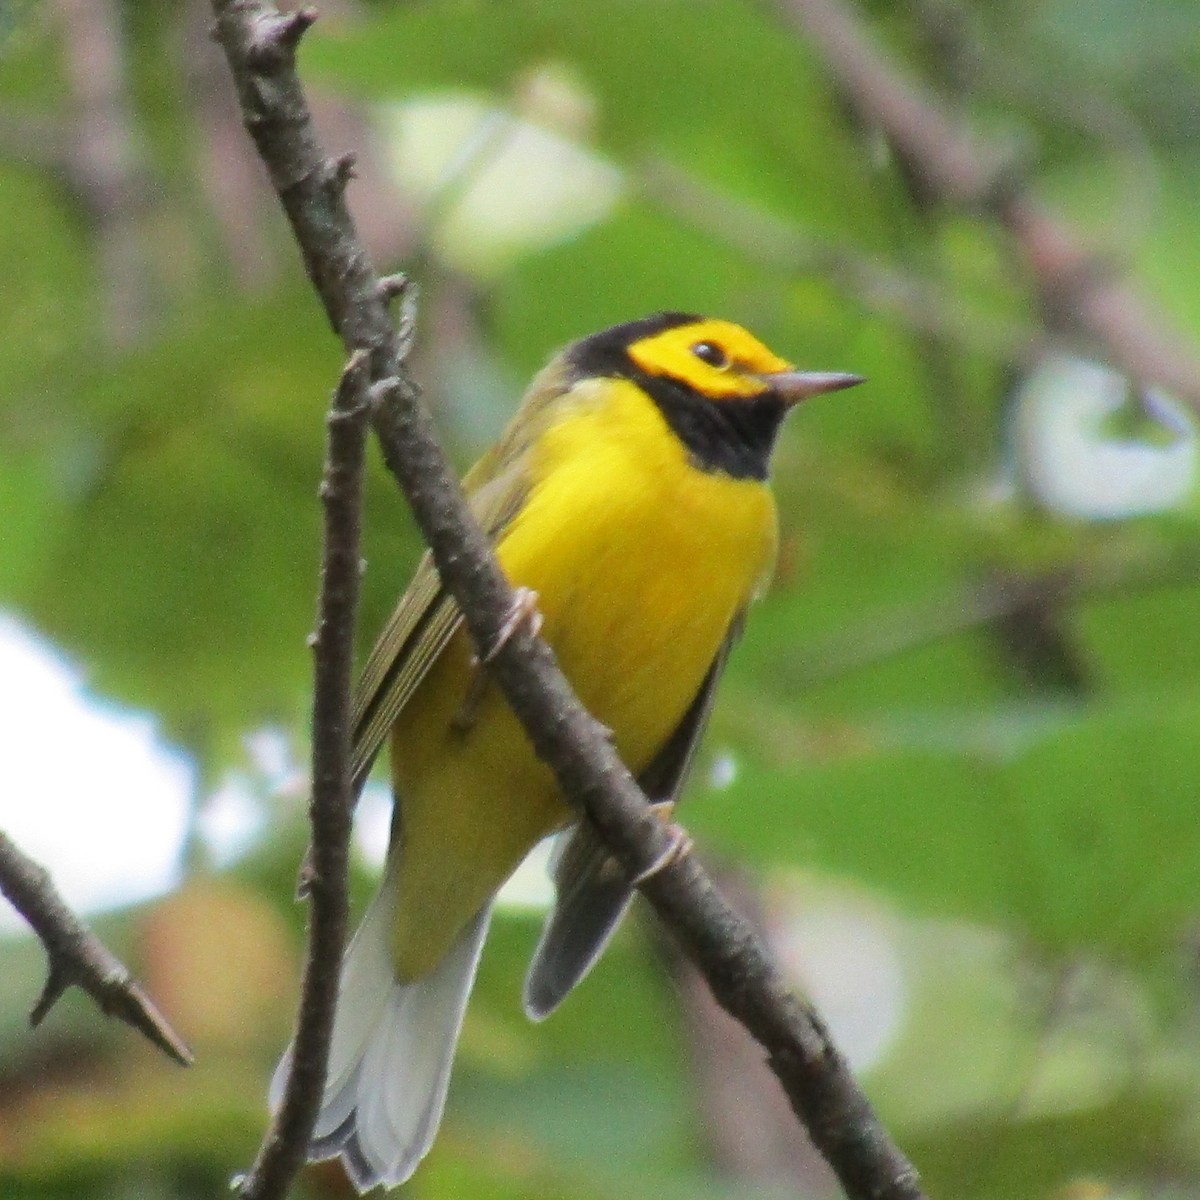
{"points": [[32, 506], [1057, 830], [160, 521], [1146, 642], [1097, 1151], [196, 501], [636, 263], [768, 127], [219, 960], [1117, 36], [46, 259], [29, 55]]}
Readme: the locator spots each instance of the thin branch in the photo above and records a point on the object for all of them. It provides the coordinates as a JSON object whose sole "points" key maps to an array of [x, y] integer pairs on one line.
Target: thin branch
{"points": [[998, 595], [225, 163], [971, 63], [260, 44], [1079, 289], [36, 139], [75, 956], [107, 161], [876, 285], [282, 1152]]}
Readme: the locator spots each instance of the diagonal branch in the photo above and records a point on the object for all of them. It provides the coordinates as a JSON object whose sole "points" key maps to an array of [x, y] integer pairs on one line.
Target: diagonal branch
{"points": [[1080, 290], [76, 956], [260, 44]]}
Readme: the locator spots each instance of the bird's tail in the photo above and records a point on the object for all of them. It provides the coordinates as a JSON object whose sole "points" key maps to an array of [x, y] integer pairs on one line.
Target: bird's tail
{"points": [[393, 1045]]}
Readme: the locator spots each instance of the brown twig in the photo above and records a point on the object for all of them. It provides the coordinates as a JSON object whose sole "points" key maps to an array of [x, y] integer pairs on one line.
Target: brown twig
{"points": [[876, 285], [998, 596], [260, 44], [37, 139], [282, 1152], [105, 163], [1079, 289], [77, 957], [226, 166]]}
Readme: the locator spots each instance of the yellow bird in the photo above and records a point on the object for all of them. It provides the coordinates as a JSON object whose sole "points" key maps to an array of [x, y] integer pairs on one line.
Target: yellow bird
{"points": [[629, 496]]}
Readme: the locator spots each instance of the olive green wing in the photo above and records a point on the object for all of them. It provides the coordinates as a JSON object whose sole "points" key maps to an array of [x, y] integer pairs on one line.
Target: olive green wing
{"points": [[592, 892], [427, 616], [424, 621]]}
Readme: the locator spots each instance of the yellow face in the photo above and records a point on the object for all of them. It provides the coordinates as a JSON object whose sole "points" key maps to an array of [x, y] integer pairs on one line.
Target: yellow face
{"points": [[717, 358]]}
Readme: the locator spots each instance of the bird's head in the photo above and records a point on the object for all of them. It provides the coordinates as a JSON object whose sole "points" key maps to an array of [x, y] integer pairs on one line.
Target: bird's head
{"points": [[720, 389]]}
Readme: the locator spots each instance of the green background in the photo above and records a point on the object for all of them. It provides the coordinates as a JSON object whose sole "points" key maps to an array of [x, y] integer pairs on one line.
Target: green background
{"points": [[959, 723]]}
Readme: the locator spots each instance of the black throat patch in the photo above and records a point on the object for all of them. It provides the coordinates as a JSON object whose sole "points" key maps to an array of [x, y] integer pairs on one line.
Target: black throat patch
{"points": [[734, 436]]}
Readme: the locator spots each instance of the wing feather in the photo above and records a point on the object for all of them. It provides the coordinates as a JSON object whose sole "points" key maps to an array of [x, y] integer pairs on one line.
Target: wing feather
{"points": [[591, 891], [427, 617]]}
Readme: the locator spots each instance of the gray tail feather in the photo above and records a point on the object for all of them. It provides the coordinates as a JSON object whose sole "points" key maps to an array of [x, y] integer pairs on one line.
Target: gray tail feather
{"points": [[592, 896], [393, 1047]]}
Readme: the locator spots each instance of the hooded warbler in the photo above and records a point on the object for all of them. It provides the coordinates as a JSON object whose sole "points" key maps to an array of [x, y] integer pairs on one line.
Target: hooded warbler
{"points": [[629, 495]]}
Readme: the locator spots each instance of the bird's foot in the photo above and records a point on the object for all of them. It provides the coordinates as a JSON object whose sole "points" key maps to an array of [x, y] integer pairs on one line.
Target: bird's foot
{"points": [[679, 843], [305, 874], [524, 614]]}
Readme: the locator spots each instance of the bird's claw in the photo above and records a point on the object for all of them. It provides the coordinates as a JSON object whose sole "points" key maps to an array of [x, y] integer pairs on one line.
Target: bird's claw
{"points": [[679, 843], [523, 614]]}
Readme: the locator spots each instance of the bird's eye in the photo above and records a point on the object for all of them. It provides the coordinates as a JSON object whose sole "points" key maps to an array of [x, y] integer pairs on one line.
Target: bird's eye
{"points": [[711, 354]]}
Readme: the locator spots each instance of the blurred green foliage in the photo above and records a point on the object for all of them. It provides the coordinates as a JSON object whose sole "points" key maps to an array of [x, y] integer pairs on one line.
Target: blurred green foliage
{"points": [[977, 715]]}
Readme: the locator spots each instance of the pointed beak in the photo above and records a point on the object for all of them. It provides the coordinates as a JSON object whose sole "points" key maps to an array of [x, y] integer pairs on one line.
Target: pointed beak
{"points": [[793, 386]]}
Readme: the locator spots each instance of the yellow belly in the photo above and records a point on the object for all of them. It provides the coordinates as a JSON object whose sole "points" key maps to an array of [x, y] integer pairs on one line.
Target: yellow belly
{"points": [[640, 562]]}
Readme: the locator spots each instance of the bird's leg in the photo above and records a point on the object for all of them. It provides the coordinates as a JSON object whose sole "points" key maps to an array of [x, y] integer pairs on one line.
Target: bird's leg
{"points": [[468, 711], [524, 612], [612, 870]]}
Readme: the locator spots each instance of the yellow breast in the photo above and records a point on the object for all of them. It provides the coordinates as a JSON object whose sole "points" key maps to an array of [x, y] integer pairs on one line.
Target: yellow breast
{"points": [[640, 561]]}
